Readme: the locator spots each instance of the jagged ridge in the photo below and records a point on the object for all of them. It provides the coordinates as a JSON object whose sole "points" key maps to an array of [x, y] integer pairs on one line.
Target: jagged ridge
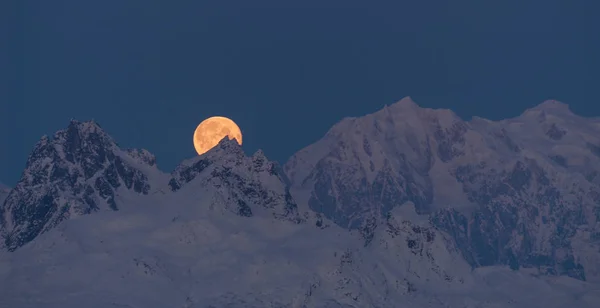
{"points": [[81, 170], [251, 181]]}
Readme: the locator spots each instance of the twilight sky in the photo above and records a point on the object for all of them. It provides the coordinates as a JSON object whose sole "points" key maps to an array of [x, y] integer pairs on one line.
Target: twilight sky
{"points": [[149, 71]]}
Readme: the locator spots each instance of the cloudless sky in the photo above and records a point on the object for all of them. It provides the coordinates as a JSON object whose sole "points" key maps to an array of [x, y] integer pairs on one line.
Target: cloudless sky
{"points": [[286, 71]]}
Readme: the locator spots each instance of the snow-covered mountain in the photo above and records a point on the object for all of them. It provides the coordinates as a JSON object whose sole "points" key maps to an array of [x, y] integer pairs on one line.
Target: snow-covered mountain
{"points": [[79, 171], [387, 210], [523, 192], [226, 172]]}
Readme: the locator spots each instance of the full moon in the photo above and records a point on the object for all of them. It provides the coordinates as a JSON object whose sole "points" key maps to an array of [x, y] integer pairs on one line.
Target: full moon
{"points": [[214, 129]]}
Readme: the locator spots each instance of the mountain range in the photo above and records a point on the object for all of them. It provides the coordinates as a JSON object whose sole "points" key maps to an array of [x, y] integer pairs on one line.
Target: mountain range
{"points": [[404, 207]]}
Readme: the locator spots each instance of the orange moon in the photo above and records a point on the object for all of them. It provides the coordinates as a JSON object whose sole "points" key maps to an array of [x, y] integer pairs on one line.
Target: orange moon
{"points": [[212, 130]]}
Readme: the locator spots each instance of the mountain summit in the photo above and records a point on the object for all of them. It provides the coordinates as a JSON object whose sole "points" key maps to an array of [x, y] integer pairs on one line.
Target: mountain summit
{"points": [[553, 105]]}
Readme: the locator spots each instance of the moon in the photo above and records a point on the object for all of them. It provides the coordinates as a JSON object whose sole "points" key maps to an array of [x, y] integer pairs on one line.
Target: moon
{"points": [[212, 130]]}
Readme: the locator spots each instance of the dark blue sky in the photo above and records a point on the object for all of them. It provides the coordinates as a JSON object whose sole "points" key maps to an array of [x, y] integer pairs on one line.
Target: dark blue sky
{"points": [[150, 71]]}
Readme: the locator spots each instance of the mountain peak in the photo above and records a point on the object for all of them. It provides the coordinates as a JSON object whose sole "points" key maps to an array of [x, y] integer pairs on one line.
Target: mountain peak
{"points": [[229, 145], [259, 155], [407, 109], [90, 125], [226, 149], [84, 130], [76, 143], [255, 183], [552, 104], [404, 104], [550, 107]]}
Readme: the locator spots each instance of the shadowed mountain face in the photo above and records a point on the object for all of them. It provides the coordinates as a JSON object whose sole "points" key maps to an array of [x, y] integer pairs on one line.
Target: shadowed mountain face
{"points": [[523, 192]]}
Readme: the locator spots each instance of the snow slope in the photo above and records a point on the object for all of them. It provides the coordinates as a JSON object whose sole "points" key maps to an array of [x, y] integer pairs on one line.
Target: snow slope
{"points": [[176, 253]]}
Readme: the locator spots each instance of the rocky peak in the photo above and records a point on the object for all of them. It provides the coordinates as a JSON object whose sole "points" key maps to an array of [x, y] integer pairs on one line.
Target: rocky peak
{"points": [[247, 184], [261, 163], [226, 151], [81, 143], [259, 155], [81, 136], [79, 171]]}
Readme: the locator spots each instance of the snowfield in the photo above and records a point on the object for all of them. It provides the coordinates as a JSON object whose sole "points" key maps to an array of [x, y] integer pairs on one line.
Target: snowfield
{"points": [[182, 254]]}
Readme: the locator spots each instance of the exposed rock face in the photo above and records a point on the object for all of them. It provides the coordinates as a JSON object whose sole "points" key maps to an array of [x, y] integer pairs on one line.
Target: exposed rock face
{"points": [[243, 183], [426, 253], [515, 192], [79, 171]]}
